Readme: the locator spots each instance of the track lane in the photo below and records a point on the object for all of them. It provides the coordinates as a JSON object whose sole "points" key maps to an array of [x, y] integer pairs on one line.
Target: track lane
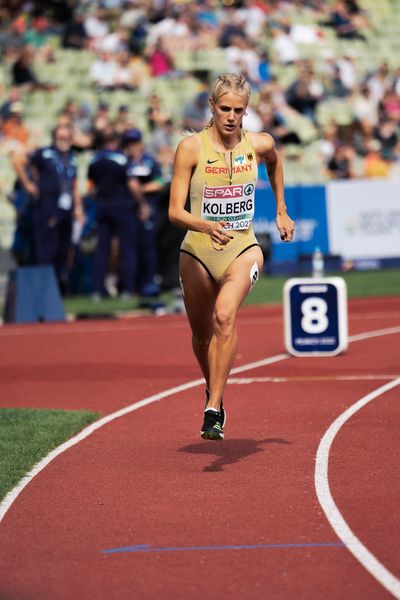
{"points": [[241, 484]]}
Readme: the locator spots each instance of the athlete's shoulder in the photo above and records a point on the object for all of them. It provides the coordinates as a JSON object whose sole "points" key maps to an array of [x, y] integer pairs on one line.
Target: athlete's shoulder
{"points": [[190, 142], [263, 142], [188, 149]]}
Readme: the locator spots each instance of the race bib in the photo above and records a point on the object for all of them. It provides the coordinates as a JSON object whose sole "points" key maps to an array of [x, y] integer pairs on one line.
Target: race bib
{"points": [[232, 203]]}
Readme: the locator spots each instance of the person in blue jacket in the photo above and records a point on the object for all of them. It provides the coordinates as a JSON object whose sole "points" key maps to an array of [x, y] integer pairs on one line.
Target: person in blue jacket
{"points": [[143, 167], [119, 208], [49, 176]]}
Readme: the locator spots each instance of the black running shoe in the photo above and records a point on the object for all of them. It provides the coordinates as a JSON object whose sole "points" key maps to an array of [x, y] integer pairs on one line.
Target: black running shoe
{"points": [[222, 411], [212, 429]]}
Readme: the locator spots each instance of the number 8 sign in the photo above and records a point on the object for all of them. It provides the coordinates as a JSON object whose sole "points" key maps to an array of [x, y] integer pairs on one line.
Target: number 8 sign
{"points": [[315, 312]]}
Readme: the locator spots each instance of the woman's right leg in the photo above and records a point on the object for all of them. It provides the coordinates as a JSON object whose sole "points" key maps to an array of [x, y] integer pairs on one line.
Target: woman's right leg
{"points": [[199, 293]]}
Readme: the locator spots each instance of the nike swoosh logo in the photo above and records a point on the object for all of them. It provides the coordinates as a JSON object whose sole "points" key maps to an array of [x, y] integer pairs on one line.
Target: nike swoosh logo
{"points": [[210, 162]]}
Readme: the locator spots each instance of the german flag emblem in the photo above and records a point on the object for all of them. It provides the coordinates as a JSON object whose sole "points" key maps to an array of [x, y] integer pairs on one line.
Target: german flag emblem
{"points": [[249, 156]]}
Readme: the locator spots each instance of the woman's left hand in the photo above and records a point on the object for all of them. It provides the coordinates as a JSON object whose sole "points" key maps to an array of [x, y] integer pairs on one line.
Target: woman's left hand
{"points": [[286, 227]]}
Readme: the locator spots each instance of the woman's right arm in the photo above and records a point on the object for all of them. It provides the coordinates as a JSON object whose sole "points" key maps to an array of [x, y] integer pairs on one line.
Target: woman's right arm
{"points": [[185, 162]]}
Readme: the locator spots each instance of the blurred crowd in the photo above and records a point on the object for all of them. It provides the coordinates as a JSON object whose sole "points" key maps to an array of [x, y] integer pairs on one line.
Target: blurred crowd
{"points": [[135, 41]]}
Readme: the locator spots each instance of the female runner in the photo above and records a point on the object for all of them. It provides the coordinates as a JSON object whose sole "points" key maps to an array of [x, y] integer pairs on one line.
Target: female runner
{"points": [[220, 259]]}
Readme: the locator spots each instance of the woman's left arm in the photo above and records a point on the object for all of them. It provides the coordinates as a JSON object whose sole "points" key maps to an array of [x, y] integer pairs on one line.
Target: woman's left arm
{"points": [[265, 147]]}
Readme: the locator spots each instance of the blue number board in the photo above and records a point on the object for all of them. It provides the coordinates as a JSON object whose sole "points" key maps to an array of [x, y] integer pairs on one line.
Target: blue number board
{"points": [[315, 316]]}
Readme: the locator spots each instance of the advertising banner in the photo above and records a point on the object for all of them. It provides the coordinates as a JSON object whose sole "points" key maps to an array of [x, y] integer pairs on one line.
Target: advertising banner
{"points": [[306, 205], [364, 218]]}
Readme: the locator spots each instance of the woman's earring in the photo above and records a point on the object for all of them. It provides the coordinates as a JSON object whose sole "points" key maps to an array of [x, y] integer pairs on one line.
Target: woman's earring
{"points": [[245, 114]]}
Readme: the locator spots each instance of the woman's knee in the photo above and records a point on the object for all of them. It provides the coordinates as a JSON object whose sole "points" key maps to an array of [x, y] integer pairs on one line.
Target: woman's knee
{"points": [[224, 319]]}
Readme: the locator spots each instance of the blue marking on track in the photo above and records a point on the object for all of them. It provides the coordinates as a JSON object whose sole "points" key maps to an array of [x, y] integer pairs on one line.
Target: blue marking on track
{"points": [[148, 548]]}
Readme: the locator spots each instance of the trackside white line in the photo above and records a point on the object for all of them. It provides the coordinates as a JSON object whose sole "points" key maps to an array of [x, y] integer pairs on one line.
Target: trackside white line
{"points": [[10, 498], [308, 379], [335, 518], [358, 337]]}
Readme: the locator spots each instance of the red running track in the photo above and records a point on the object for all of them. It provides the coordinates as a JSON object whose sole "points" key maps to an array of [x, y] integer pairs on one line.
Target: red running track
{"points": [[147, 479]]}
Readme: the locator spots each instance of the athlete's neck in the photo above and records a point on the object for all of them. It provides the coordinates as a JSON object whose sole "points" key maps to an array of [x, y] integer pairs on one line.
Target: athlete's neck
{"points": [[227, 142]]}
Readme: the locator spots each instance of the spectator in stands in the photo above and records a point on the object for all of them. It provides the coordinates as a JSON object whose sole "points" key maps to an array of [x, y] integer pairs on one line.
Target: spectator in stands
{"points": [[365, 108], [138, 32], [77, 116], [379, 82], [74, 35], [357, 14], [37, 36], [305, 93], [230, 28], [334, 86], [124, 79], [96, 27], [160, 60], [375, 166], [264, 69], [146, 170], [12, 37], [156, 115], [115, 42], [140, 71], [327, 143], [243, 59], [252, 120], [284, 47], [348, 71], [162, 144], [275, 124], [122, 121], [23, 74], [341, 165], [196, 113], [390, 106], [119, 203], [388, 135], [14, 95], [103, 72], [253, 17], [396, 81], [57, 201], [344, 23], [14, 130], [101, 123]]}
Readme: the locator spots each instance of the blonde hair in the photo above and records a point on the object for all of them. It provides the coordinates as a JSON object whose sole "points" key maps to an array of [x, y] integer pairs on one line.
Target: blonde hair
{"points": [[230, 82]]}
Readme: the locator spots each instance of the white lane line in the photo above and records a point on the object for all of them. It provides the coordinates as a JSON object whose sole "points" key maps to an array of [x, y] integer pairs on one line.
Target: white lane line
{"points": [[10, 498], [334, 516], [371, 334], [308, 378]]}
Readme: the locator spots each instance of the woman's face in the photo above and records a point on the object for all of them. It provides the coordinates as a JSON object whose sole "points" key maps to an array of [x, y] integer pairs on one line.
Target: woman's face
{"points": [[229, 110]]}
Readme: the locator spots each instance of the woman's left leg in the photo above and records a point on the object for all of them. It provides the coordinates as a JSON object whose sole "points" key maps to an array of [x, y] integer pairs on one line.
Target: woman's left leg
{"points": [[234, 286]]}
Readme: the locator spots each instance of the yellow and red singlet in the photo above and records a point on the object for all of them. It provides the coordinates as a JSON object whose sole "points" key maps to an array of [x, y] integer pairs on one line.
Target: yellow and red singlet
{"points": [[222, 188]]}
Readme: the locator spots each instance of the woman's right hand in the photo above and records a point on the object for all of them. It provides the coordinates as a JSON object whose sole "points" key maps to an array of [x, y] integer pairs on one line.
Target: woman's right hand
{"points": [[219, 235]]}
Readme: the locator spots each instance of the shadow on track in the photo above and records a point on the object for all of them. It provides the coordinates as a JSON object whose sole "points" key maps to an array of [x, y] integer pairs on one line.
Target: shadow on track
{"points": [[229, 451]]}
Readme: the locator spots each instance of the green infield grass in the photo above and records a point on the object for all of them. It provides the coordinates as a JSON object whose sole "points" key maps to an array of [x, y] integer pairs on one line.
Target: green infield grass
{"points": [[27, 435], [359, 284], [385, 282]]}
